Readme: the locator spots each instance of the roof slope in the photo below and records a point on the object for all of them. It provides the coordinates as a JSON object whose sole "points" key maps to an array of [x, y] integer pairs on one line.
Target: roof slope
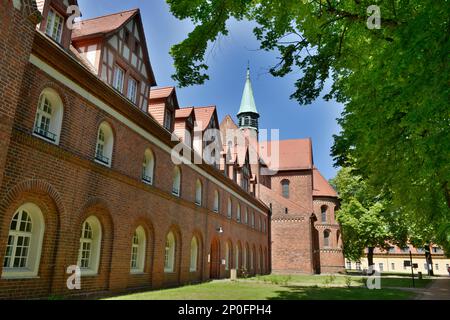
{"points": [[203, 116], [161, 93], [321, 187], [101, 25], [292, 154], [248, 100]]}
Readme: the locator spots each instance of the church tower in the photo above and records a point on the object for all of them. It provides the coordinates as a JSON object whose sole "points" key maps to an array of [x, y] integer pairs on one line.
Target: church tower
{"points": [[248, 114]]}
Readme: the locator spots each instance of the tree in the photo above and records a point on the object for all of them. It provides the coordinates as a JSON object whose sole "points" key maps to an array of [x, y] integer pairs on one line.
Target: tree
{"points": [[366, 218], [393, 82]]}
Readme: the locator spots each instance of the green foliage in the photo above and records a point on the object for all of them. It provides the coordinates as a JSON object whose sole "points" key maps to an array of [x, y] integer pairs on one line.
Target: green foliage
{"points": [[348, 281], [329, 279], [393, 82], [366, 217]]}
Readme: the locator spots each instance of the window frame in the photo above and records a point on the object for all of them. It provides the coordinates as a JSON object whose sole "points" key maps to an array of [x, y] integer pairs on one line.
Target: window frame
{"points": [[176, 183], [133, 98], [119, 86], [140, 251], [51, 20], [194, 254], [169, 253], [36, 235]]}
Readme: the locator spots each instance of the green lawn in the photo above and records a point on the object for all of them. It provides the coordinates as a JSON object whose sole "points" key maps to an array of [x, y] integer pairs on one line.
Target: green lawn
{"points": [[255, 290], [323, 280]]}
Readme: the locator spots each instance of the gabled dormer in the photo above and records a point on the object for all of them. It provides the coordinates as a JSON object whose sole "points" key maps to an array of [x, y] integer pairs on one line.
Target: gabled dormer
{"points": [[184, 125], [54, 20], [115, 46], [162, 106]]}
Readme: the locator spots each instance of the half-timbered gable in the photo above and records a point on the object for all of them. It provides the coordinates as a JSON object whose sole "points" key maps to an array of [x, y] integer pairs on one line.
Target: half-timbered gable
{"points": [[116, 48]]}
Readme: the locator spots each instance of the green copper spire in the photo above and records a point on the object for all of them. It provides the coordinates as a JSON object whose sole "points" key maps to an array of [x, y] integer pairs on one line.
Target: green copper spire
{"points": [[248, 104]]}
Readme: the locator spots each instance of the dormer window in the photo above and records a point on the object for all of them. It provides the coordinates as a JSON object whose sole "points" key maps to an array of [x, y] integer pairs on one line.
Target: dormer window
{"points": [[168, 120], [119, 75], [54, 26], [132, 90]]}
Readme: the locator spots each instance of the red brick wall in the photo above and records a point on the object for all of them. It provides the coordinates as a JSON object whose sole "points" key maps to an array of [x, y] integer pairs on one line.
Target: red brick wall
{"points": [[331, 257], [69, 186], [300, 187]]}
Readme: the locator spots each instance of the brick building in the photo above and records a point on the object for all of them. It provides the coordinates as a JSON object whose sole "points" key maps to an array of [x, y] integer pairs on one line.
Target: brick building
{"points": [[88, 175], [305, 235]]}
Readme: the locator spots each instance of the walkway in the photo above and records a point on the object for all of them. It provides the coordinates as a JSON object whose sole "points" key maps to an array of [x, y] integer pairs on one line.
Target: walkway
{"points": [[439, 290]]}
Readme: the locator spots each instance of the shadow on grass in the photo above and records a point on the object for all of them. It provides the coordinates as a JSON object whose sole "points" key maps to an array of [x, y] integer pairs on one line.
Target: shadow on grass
{"points": [[317, 293]]}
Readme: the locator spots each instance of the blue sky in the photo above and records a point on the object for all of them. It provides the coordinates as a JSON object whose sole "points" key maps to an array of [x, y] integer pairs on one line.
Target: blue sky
{"points": [[227, 67]]}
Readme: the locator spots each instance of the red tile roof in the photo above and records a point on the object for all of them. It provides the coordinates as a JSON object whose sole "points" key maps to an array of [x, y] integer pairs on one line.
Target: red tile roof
{"points": [[321, 187], [293, 154], [203, 115], [183, 112], [101, 25], [163, 92]]}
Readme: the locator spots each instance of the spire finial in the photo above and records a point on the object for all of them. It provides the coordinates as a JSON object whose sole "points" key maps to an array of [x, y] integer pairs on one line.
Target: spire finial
{"points": [[248, 69]]}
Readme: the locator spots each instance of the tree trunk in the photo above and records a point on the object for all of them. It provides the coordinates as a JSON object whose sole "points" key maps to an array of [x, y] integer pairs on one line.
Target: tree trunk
{"points": [[429, 260], [371, 269]]}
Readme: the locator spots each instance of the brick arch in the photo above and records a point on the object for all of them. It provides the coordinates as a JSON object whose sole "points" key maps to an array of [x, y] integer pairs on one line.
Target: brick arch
{"points": [[176, 230], [33, 186], [47, 198], [100, 209], [145, 223]]}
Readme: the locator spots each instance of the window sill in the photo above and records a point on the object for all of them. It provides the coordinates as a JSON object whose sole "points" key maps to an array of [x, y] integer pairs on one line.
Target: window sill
{"points": [[137, 273], [18, 276], [45, 139], [108, 165]]}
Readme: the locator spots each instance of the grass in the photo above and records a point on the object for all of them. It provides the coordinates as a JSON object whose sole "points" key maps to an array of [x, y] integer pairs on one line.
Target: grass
{"points": [[253, 290], [327, 280]]}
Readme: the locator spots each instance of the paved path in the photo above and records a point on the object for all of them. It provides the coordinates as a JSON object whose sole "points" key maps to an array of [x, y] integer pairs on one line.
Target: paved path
{"points": [[439, 290]]}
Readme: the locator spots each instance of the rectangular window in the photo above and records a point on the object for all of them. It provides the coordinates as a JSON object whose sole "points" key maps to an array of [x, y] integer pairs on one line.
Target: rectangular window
{"points": [[380, 267], [349, 265], [132, 90], [436, 267], [168, 120], [54, 25], [392, 266], [119, 75], [358, 266]]}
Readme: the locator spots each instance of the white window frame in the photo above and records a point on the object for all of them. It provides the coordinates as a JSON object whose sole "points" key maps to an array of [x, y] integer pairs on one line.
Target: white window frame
{"points": [[119, 78], [168, 114], [55, 25], [95, 246], [35, 236], [176, 184], [216, 201], [169, 253], [229, 209], [49, 114], [198, 192], [194, 255], [138, 249], [132, 90], [104, 145], [238, 213], [148, 167]]}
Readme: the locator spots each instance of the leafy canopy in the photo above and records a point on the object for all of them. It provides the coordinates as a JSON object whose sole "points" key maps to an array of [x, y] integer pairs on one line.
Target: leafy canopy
{"points": [[393, 82]]}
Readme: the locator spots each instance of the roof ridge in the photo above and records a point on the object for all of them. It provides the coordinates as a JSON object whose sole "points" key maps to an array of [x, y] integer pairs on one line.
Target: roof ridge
{"points": [[108, 15]]}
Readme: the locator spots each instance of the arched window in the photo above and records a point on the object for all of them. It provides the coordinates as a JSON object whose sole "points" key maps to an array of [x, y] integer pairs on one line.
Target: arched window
{"points": [[227, 256], [253, 220], [148, 167], [246, 216], [238, 213], [324, 213], [229, 209], [89, 253], [244, 258], [176, 187], [216, 201], [194, 255], [169, 256], [252, 259], [198, 193], [138, 250], [285, 188], [105, 144], [23, 248], [236, 260], [49, 116], [326, 238]]}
